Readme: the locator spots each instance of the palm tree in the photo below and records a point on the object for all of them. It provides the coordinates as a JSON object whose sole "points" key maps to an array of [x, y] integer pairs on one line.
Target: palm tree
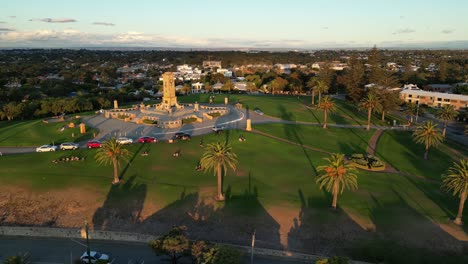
{"points": [[218, 157], [371, 102], [111, 152], [446, 114], [321, 87], [427, 134], [336, 176], [456, 181], [312, 84], [327, 105]]}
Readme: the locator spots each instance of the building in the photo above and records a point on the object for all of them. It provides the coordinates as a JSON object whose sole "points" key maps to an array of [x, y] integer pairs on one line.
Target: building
{"points": [[442, 88], [198, 87], [434, 99], [225, 72], [211, 64]]}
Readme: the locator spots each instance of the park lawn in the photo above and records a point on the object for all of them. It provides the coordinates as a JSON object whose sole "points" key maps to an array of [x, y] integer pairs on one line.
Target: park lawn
{"points": [[291, 108], [398, 149], [332, 139], [274, 170], [276, 173], [36, 132]]}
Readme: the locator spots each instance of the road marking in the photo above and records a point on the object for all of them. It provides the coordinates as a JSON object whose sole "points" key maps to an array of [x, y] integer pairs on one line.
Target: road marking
{"points": [[78, 242]]}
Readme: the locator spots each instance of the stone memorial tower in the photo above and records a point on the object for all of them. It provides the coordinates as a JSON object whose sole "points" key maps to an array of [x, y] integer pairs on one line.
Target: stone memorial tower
{"points": [[169, 99]]}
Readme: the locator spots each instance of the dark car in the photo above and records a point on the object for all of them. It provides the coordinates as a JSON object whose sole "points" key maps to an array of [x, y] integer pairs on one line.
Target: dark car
{"points": [[147, 140], [179, 134], [93, 144], [186, 137]]}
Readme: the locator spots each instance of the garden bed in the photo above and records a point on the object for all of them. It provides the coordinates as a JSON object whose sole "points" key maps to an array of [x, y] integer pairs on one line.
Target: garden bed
{"points": [[367, 162]]}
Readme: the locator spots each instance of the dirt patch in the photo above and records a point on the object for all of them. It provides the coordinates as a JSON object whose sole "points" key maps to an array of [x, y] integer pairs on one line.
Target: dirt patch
{"points": [[68, 208], [285, 216]]}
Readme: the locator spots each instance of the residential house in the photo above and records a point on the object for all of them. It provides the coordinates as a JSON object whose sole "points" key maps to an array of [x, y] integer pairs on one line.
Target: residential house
{"points": [[198, 87]]}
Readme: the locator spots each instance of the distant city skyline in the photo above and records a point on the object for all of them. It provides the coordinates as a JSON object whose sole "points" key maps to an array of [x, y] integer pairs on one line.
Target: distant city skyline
{"points": [[261, 24]]}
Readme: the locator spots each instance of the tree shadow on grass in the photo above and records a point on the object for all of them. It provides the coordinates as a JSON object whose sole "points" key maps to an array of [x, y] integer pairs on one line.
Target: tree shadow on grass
{"points": [[122, 208], [321, 230], [404, 235], [232, 221], [129, 163], [294, 133]]}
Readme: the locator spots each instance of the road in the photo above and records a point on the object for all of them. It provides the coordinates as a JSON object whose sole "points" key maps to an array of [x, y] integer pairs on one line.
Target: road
{"points": [[56, 250]]}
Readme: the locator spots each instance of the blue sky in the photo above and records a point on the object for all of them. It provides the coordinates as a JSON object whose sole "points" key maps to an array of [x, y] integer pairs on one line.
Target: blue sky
{"points": [[231, 24]]}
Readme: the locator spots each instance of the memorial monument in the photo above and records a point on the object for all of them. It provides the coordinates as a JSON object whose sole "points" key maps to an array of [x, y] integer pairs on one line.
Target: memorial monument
{"points": [[169, 99]]}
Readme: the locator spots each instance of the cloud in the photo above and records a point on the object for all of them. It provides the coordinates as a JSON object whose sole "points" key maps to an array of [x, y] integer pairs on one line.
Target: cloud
{"points": [[324, 27], [103, 24], [6, 29], [2, 22], [401, 17], [12, 16], [447, 31], [54, 20], [404, 31]]}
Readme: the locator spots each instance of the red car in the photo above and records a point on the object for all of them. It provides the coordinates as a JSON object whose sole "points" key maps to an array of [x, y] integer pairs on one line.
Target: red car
{"points": [[147, 140], [93, 144]]}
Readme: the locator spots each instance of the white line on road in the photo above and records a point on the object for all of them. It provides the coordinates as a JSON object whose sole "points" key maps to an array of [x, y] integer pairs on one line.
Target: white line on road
{"points": [[78, 242]]}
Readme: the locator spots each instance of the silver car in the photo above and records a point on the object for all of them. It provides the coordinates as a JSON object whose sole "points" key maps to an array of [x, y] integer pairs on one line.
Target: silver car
{"points": [[124, 140], [46, 148], [69, 145]]}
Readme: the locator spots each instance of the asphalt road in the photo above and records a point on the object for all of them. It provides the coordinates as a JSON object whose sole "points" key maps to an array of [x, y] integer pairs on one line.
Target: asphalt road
{"points": [[54, 251]]}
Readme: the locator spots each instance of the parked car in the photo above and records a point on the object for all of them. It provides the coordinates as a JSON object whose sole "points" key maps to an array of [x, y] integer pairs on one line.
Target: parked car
{"points": [[124, 140], [93, 144], [179, 134], [69, 145], [217, 129], [147, 140], [258, 111], [93, 257], [46, 148], [186, 137]]}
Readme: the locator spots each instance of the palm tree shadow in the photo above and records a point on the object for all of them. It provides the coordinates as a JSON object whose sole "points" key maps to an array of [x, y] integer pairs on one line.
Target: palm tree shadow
{"points": [[135, 154], [294, 133], [206, 219], [122, 208]]}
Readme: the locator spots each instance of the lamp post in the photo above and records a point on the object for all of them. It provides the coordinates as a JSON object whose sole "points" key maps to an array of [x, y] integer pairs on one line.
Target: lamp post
{"points": [[88, 250], [253, 246]]}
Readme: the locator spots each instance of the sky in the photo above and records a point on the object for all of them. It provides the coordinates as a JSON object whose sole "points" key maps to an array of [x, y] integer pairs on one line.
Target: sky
{"points": [[255, 24]]}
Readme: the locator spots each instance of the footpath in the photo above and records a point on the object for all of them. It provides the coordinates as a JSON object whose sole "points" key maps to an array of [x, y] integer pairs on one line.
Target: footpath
{"points": [[75, 233]]}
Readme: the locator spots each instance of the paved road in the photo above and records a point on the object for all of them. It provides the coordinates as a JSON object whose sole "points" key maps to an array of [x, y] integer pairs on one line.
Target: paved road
{"points": [[52, 251]]}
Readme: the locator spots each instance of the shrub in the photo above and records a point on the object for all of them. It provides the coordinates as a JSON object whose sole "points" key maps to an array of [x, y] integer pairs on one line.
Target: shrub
{"points": [[121, 116], [214, 114], [189, 120], [357, 156], [226, 255], [150, 122], [333, 260]]}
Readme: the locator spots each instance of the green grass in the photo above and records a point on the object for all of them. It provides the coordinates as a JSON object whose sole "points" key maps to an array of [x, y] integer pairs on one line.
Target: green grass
{"points": [[279, 173], [35, 132], [399, 150], [337, 140], [292, 108]]}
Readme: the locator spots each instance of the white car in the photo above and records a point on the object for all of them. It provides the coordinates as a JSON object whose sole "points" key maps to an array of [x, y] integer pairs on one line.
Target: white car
{"points": [[217, 129], [258, 111], [124, 140], [46, 148], [93, 257], [69, 145]]}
